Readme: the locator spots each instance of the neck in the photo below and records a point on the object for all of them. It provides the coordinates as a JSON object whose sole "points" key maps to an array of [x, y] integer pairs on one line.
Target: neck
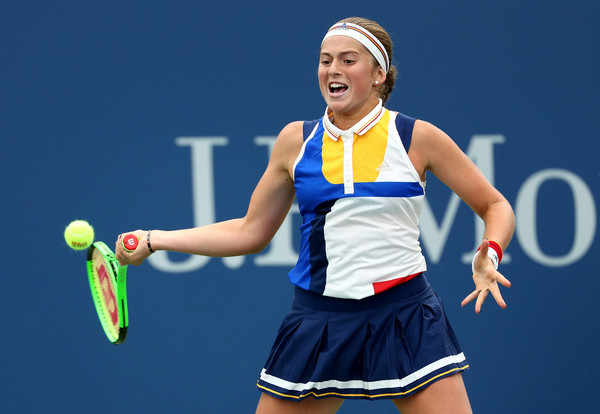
{"points": [[346, 120]]}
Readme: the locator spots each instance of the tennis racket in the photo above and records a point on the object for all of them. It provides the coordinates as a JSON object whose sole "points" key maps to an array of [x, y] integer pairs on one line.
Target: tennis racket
{"points": [[108, 285]]}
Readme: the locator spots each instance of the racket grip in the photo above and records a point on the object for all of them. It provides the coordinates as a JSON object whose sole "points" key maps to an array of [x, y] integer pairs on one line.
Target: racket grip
{"points": [[130, 242]]}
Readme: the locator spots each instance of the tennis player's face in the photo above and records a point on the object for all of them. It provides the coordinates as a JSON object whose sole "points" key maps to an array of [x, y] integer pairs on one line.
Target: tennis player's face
{"points": [[347, 74]]}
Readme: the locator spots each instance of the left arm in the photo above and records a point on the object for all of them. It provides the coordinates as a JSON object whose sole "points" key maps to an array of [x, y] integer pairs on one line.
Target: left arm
{"points": [[432, 150]]}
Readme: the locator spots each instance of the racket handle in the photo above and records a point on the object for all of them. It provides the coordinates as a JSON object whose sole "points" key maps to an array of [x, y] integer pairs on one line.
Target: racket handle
{"points": [[130, 242]]}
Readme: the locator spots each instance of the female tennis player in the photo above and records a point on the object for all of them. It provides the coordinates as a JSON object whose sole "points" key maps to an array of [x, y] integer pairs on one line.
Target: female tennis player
{"points": [[365, 322]]}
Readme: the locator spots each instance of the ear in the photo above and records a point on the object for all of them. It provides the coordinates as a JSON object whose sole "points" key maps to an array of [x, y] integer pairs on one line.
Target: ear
{"points": [[379, 77]]}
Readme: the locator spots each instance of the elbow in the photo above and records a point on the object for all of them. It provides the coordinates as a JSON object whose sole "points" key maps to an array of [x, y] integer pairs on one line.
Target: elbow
{"points": [[510, 214], [500, 214], [257, 241], [262, 242], [257, 248]]}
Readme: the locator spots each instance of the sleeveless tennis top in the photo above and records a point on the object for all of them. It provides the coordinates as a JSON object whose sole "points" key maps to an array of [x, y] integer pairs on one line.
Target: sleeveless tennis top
{"points": [[360, 199]]}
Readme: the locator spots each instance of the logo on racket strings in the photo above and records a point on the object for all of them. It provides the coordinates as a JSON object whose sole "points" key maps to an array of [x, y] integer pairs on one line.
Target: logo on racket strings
{"points": [[108, 294]]}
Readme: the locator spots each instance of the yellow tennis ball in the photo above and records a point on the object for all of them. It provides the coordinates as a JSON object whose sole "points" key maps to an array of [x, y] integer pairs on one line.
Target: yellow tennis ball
{"points": [[79, 235]]}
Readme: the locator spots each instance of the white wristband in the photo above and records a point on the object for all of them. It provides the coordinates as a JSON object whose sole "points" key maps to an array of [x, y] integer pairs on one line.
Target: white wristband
{"points": [[491, 254]]}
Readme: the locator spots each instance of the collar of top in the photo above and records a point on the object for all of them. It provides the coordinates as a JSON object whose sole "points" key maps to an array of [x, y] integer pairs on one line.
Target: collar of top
{"points": [[359, 128]]}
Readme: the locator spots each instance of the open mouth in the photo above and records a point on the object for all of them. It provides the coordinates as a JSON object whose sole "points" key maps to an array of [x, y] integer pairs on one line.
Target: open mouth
{"points": [[336, 88]]}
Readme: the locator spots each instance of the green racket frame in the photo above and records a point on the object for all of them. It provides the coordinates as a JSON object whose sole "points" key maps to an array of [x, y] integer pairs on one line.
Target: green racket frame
{"points": [[117, 277]]}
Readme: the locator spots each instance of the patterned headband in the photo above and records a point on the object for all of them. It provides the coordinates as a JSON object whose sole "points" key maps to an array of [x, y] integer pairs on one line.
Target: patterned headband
{"points": [[366, 38]]}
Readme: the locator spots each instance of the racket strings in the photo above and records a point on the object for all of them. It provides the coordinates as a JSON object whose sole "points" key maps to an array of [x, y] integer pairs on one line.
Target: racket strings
{"points": [[105, 297]]}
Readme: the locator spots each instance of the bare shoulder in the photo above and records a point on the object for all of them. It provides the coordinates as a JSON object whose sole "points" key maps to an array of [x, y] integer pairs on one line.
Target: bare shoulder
{"points": [[291, 134], [427, 133], [288, 144], [430, 147]]}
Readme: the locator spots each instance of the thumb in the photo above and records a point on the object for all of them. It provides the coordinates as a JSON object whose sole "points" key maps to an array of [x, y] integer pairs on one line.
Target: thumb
{"points": [[485, 245], [481, 255]]}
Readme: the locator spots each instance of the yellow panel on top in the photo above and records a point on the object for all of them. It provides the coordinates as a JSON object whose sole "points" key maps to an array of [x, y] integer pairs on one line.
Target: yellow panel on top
{"points": [[368, 152]]}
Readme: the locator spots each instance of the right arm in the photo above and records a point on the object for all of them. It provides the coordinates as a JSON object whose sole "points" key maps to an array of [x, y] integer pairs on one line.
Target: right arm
{"points": [[268, 207]]}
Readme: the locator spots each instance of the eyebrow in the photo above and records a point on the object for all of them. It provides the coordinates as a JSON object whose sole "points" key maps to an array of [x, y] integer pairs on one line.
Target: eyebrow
{"points": [[342, 53]]}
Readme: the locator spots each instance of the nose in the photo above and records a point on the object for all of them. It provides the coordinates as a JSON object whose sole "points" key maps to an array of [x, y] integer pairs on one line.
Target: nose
{"points": [[334, 68]]}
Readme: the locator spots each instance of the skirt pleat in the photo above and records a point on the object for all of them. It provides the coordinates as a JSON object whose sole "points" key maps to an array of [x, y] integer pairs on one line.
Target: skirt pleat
{"points": [[387, 347]]}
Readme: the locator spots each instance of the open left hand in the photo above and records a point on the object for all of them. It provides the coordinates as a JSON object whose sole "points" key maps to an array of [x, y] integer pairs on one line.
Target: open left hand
{"points": [[486, 279]]}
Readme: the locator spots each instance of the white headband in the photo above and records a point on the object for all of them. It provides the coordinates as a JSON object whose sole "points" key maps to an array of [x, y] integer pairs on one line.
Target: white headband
{"points": [[365, 37]]}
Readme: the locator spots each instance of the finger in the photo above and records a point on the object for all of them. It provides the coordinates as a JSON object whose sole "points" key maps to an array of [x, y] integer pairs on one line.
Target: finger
{"points": [[469, 298], [503, 281], [498, 296], [119, 254], [480, 299]]}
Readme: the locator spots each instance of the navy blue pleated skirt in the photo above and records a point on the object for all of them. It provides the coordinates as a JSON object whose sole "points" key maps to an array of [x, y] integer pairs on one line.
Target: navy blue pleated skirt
{"points": [[389, 345]]}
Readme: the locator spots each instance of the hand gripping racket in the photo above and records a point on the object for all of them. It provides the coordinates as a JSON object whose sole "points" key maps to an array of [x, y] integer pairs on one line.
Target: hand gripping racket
{"points": [[108, 285]]}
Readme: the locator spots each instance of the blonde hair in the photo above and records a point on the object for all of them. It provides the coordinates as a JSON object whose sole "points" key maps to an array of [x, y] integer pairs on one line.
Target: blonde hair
{"points": [[375, 28]]}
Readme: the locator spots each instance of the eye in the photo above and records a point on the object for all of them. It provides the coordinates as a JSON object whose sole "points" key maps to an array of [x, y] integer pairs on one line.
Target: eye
{"points": [[348, 61]]}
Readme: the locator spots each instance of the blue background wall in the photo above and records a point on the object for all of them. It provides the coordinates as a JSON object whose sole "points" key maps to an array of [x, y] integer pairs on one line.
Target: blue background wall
{"points": [[104, 89]]}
